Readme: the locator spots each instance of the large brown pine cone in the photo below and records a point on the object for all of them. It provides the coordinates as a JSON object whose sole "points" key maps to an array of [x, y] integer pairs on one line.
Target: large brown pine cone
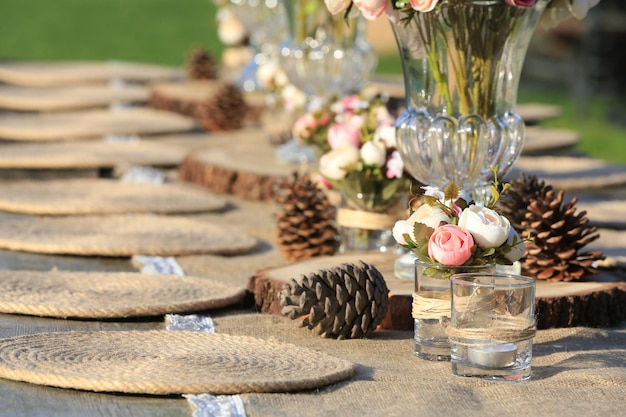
{"points": [[226, 110], [516, 199], [305, 220], [558, 235], [345, 302]]}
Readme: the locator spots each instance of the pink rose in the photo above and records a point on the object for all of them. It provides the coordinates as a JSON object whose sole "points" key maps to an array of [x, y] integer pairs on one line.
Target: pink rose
{"points": [[450, 245], [372, 9], [303, 127], [521, 3], [344, 133], [351, 103], [424, 5], [395, 166]]}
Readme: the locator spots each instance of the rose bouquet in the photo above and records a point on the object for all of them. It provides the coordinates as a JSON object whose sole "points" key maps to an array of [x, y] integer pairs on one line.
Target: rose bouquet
{"points": [[465, 32], [449, 229], [556, 11], [356, 140]]}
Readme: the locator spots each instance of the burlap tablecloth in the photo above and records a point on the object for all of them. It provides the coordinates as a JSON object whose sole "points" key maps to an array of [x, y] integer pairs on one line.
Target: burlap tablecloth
{"points": [[576, 372]]}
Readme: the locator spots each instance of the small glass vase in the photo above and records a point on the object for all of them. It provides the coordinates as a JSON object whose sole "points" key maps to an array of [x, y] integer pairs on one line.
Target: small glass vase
{"points": [[462, 63], [365, 222], [431, 306]]}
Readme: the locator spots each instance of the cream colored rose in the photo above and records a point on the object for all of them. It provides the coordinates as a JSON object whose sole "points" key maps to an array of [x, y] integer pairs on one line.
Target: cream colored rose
{"points": [[490, 230], [333, 164], [336, 6], [374, 153], [518, 247], [429, 215]]}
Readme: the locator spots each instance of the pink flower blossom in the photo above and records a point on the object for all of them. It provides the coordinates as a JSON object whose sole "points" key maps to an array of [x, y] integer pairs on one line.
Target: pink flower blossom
{"points": [[351, 103], [424, 5], [395, 166], [521, 3], [344, 133], [450, 245], [303, 126], [372, 9]]}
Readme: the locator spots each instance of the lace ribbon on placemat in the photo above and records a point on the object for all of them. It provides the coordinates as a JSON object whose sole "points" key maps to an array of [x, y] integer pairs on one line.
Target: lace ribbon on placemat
{"points": [[204, 405]]}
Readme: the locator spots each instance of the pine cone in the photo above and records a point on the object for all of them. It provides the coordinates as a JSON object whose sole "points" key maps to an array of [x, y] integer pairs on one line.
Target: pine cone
{"points": [[305, 220], [344, 302], [201, 65], [515, 201], [226, 110], [558, 233]]}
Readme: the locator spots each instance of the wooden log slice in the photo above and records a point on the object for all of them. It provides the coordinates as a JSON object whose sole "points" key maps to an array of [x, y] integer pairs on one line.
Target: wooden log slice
{"points": [[558, 304], [241, 163], [216, 104]]}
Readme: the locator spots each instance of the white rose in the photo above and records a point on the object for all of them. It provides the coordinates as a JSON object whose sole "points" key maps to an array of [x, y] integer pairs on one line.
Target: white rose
{"points": [[518, 247], [332, 164], [429, 215], [489, 229], [374, 153], [336, 6], [386, 134], [231, 31], [401, 228]]}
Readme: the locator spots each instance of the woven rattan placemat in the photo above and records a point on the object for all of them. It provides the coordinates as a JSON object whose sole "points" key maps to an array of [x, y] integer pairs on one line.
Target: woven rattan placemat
{"points": [[102, 196], [122, 235], [91, 123], [109, 294], [47, 74], [88, 154], [166, 362], [71, 97]]}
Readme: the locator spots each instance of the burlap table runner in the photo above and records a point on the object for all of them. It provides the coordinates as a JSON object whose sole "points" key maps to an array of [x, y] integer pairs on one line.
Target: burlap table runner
{"points": [[576, 372]]}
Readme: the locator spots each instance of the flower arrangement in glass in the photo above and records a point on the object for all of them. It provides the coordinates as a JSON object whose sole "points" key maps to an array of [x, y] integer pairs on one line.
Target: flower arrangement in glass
{"points": [[355, 140], [449, 233], [462, 60], [449, 229]]}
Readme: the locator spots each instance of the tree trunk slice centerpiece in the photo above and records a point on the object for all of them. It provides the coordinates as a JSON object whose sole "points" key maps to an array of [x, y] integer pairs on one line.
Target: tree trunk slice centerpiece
{"points": [[558, 304]]}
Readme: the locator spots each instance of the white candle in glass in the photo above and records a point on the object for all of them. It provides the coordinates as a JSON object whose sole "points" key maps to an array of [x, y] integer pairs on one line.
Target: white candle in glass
{"points": [[496, 356]]}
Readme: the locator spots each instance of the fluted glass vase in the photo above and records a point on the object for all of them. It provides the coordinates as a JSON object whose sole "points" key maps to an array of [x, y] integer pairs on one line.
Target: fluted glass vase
{"points": [[266, 23], [324, 54], [462, 63]]}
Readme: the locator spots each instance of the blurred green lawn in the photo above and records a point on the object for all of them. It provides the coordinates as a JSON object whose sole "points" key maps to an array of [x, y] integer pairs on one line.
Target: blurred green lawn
{"points": [[165, 31]]}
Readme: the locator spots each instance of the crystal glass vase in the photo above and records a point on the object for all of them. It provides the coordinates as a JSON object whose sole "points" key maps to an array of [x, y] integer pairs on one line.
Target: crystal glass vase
{"points": [[462, 63], [266, 22], [324, 54]]}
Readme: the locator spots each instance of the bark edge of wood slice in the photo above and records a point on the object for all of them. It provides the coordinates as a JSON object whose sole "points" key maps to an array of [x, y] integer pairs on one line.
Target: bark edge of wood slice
{"points": [[557, 304]]}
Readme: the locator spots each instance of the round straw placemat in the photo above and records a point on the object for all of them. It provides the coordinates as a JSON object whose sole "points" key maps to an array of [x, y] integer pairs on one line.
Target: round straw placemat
{"points": [[91, 123], [89, 154], [122, 235], [71, 97], [110, 294], [102, 196], [47, 74], [166, 362]]}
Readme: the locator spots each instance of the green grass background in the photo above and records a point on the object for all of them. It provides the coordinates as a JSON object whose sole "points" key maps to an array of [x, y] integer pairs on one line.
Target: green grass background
{"points": [[165, 31]]}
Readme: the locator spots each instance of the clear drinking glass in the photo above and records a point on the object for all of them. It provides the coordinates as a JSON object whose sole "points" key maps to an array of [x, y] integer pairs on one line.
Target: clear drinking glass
{"points": [[431, 307], [492, 325]]}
